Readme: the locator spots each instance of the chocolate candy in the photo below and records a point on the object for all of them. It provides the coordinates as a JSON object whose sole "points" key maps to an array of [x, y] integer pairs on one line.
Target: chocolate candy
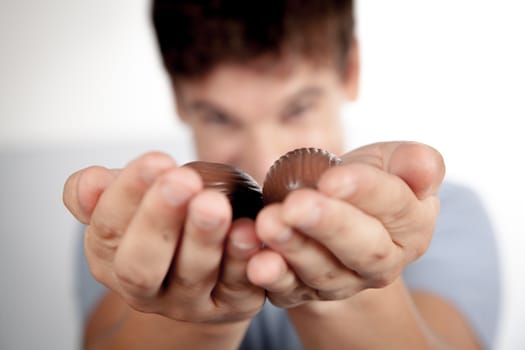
{"points": [[241, 189], [296, 169]]}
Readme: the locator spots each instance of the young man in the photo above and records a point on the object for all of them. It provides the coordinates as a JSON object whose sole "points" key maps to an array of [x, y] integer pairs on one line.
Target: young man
{"points": [[253, 81]]}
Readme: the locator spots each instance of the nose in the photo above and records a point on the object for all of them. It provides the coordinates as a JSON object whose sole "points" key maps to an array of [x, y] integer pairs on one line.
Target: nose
{"points": [[262, 148]]}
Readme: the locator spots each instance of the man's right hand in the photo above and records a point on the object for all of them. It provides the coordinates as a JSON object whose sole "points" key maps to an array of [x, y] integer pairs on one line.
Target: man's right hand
{"points": [[165, 244]]}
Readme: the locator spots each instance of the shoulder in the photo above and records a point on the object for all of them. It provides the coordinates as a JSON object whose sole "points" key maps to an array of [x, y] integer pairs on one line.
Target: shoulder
{"points": [[462, 264], [462, 205]]}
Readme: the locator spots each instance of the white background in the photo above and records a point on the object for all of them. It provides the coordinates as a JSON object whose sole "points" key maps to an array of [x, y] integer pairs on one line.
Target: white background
{"points": [[81, 83]]}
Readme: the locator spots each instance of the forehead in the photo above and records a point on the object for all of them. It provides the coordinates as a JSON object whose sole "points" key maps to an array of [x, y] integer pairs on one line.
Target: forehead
{"points": [[259, 82]]}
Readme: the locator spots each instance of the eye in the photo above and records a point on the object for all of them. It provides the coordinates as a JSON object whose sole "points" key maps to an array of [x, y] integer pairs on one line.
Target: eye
{"points": [[297, 111], [216, 118]]}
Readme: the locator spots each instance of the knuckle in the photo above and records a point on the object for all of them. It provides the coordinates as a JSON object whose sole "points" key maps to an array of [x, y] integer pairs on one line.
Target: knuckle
{"points": [[383, 279], [98, 272], [100, 227], [370, 261], [189, 288], [323, 280], [98, 267], [135, 279], [380, 253], [419, 244], [399, 217], [420, 248], [101, 244], [339, 294]]}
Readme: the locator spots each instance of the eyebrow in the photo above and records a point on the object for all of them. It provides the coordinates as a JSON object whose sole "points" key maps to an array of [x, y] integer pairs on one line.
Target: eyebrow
{"points": [[308, 93], [202, 105], [305, 93]]}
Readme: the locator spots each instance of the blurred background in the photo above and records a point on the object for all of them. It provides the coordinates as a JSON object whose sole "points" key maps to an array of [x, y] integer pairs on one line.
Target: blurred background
{"points": [[81, 83]]}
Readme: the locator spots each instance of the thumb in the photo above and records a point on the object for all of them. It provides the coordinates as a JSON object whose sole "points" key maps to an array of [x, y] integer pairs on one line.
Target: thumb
{"points": [[420, 166], [83, 188]]}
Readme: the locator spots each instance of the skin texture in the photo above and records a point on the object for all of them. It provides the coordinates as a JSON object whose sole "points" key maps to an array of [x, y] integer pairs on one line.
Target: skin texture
{"points": [[182, 274]]}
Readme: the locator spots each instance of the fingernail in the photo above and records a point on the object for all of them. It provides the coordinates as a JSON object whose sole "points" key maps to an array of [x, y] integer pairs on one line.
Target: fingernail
{"points": [[151, 170], [304, 215], [344, 189], [243, 241], [284, 235], [243, 245], [205, 222], [174, 196], [311, 216], [148, 174]]}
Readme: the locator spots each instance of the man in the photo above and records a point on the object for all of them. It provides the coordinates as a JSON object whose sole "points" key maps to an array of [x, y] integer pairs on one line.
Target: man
{"points": [[254, 81]]}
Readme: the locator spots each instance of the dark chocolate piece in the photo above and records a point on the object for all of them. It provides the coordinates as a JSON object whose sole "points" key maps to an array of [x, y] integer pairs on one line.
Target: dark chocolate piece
{"points": [[296, 169], [241, 189]]}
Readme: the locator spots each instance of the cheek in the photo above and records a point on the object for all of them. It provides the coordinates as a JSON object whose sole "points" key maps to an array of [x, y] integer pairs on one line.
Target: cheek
{"points": [[327, 137], [325, 130]]}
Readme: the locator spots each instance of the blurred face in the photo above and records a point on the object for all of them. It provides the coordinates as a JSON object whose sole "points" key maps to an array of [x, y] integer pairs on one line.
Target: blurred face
{"points": [[248, 116]]}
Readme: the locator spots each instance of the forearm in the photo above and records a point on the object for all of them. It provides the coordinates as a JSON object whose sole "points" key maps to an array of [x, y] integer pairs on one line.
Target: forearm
{"points": [[114, 325], [373, 319]]}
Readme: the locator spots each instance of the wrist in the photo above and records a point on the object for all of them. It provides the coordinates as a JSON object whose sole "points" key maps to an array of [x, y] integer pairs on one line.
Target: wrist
{"points": [[366, 301], [113, 324], [213, 329], [388, 311]]}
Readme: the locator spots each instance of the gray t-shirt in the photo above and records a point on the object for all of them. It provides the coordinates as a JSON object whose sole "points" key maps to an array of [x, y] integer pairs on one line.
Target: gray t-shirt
{"points": [[461, 265]]}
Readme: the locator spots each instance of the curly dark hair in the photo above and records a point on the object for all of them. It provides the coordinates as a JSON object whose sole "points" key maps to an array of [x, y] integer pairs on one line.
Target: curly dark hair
{"points": [[195, 36]]}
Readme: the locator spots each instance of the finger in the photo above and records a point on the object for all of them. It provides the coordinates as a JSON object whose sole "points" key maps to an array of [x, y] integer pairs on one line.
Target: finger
{"points": [[83, 189], [376, 192], [268, 270], [234, 288], [409, 221], [323, 259], [197, 264], [242, 244], [356, 240], [112, 213], [146, 250], [119, 201], [420, 166]]}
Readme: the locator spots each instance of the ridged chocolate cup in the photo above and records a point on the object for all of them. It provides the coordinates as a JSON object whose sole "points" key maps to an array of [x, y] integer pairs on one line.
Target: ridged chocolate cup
{"points": [[296, 169], [242, 190]]}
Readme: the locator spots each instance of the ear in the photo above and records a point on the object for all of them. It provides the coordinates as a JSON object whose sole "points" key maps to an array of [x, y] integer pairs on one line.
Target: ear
{"points": [[352, 72]]}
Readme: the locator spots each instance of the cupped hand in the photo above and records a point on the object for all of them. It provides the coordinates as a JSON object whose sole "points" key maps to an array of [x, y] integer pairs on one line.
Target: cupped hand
{"points": [[163, 243], [369, 218]]}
